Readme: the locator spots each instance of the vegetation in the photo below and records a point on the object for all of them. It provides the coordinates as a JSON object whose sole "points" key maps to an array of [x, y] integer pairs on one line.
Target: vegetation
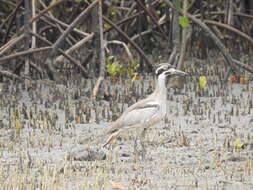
{"points": [[35, 34], [70, 67]]}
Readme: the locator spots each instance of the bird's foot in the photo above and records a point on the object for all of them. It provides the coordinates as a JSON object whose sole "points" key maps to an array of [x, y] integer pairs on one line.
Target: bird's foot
{"points": [[143, 151]]}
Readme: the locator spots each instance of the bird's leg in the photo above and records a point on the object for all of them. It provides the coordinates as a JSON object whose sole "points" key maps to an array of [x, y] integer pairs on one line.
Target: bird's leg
{"points": [[142, 141], [112, 137], [135, 147], [137, 153]]}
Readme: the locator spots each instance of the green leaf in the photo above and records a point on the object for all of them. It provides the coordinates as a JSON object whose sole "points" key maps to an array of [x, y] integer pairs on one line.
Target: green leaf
{"points": [[238, 143], [177, 4], [123, 67], [158, 12], [18, 125], [113, 10], [148, 19], [202, 81], [107, 26], [163, 5], [184, 21], [113, 69]]}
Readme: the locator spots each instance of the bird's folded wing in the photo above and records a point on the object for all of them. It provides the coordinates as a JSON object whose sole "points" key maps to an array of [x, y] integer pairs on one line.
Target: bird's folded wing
{"points": [[140, 114]]}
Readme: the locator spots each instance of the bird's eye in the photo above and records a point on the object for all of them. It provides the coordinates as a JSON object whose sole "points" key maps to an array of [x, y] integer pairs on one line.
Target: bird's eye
{"points": [[159, 71]]}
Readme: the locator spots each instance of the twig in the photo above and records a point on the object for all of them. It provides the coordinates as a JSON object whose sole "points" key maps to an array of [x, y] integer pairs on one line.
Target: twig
{"points": [[230, 28], [12, 18], [66, 25], [124, 45], [57, 25], [75, 47], [71, 59], [10, 75], [217, 41], [152, 18], [22, 53], [46, 10], [11, 43], [72, 25], [138, 49]]}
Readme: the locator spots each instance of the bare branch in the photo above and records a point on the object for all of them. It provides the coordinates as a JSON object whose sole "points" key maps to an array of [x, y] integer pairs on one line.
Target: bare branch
{"points": [[75, 47], [23, 53], [230, 28], [129, 40]]}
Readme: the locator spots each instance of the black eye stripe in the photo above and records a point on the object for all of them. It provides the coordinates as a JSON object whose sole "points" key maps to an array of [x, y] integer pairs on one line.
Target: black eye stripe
{"points": [[163, 67], [160, 71]]}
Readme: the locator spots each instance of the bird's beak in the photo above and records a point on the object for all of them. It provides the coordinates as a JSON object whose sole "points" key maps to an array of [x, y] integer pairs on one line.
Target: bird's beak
{"points": [[180, 73], [173, 71]]}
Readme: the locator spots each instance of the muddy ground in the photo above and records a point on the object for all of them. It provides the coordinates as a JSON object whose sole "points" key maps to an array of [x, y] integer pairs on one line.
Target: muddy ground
{"points": [[51, 136]]}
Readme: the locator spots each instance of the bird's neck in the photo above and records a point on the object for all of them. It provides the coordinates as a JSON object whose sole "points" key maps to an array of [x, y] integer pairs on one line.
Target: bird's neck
{"points": [[161, 87]]}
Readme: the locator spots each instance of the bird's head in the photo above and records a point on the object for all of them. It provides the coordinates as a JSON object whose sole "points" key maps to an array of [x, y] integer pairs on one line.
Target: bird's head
{"points": [[166, 69]]}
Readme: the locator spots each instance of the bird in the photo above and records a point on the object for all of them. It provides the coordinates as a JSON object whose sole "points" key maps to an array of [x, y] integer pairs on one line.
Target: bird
{"points": [[149, 111]]}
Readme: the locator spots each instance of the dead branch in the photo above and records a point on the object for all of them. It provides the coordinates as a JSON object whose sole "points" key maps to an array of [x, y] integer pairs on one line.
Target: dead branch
{"points": [[230, 28], [10, 75], [11, 15], [124, 45], [154, 20], [124, 20], [11, 43], [138, 49], [46, 10], [57, 25], [244, 66], [73, 25], [11, 19], [71, 59], [66, 25], [75, 47], [23, 53], [223, 13], [217, 41]]}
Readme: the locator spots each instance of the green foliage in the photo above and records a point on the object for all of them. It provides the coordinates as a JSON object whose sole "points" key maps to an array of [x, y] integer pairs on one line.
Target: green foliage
{"points": [[238, 143], [148, 19], [107, 26], [113, 10], [112, 67], [202, 82], [18, 126], [162, 5], [133, 65], [177, 4], [7, 8], [184, 21], [117, 68], [158, 12]]}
